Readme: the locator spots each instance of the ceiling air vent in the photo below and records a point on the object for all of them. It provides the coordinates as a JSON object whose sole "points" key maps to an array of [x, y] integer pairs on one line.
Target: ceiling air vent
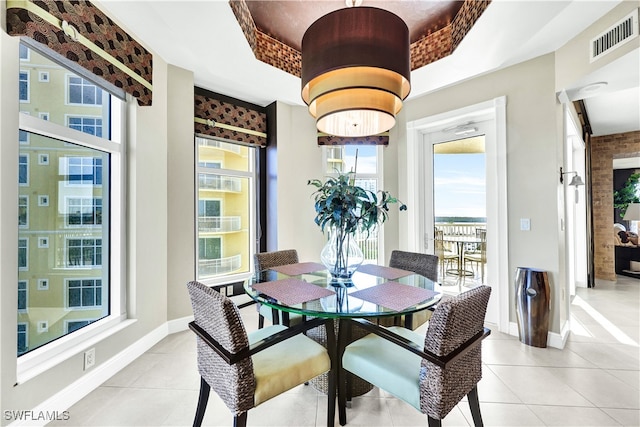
{"points": [[623, 31]]}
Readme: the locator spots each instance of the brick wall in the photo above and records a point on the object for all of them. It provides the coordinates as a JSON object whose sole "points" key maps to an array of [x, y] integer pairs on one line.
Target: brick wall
{"points": [[603, 150]]}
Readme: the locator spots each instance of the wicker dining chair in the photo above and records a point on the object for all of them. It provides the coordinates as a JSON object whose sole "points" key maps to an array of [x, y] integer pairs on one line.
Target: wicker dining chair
{"points": [[264, 261], [433, 372], [424, 264], [247, 370]]}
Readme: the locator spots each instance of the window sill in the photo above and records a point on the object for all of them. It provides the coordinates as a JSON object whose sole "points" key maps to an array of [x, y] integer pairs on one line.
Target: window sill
{"points": [[46, 357]]}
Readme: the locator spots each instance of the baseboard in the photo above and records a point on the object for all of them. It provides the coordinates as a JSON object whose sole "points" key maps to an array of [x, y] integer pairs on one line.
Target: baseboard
{"points": [[73, 393], [554, 339], [178, 325]]}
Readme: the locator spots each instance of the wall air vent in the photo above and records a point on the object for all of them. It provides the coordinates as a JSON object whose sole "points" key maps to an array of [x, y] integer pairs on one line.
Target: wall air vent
{"points": [[622, 32]]}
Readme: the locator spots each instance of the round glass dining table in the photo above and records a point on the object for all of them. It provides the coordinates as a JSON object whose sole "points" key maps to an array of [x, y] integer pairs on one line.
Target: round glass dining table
{"points": [[308, 289], [365, 295]]}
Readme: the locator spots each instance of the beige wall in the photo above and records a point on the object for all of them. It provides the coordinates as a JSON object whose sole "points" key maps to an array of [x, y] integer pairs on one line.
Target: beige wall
{"points": [[159, 221], [572, 59], [181, 258], [533, 138]]}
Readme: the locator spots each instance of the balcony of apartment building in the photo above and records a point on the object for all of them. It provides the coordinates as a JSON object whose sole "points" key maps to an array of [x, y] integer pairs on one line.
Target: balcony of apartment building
{"points": [[220, 183], [219, 224]]}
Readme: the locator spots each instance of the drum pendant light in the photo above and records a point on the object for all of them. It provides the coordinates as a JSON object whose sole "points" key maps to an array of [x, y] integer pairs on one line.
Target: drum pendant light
{"points": [[356, 71]]}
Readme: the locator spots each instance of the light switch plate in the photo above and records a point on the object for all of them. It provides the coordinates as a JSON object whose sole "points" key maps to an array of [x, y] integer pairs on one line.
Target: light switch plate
{"points": [[525, 224]]}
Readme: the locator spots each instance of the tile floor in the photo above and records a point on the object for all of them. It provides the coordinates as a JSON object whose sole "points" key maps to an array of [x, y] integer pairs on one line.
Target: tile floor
{"points": [[594, 381]]}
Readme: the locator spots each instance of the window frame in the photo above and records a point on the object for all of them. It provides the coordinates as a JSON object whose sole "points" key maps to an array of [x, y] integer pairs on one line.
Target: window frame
{"points": [[45, 357], [378, 176], [221, 172]]}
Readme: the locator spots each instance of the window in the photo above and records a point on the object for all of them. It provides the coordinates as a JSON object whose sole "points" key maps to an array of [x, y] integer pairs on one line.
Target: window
{"points": [[76, 185], [83, 170], [84, 252], [341, 159], [22, 338], [24, 52], [43, 284], [23, 137], [22, 295], [84, 211], [74, 325], [24, 86], [83, 293], [225, 206], [23, 254], [90, 125], [43, 76], [23, 169], [44, 116], [23, 211], [83, 92]]}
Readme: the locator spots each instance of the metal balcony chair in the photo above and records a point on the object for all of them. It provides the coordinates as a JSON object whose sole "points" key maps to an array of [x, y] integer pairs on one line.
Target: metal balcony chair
{"points": [[247, 370], [479, 255], [433, 372], [445, 255], [264, 261]]}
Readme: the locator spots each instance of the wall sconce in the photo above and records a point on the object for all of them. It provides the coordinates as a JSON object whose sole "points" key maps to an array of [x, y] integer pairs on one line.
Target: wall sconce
{"points": [[575, 181]]}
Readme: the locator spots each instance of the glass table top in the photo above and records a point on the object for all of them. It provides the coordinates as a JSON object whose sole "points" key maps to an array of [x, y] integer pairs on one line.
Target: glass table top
{"points": [[317, 294]]}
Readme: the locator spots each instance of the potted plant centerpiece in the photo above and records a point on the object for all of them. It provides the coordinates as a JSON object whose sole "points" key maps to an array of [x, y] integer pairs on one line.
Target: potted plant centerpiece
{"points": [[345, 208]]}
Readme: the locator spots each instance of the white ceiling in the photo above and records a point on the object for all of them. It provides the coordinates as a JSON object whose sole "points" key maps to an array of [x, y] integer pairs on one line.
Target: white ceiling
{"points": [[204, 36]]}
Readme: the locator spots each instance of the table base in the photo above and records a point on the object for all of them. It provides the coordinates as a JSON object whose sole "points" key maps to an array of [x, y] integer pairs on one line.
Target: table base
{"points": [[321, 383]]}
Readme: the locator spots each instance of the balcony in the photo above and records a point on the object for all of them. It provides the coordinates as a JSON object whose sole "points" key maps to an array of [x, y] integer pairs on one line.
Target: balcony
{"points": [[212, 143], [215, 267], [219, 224], [219, 183]]}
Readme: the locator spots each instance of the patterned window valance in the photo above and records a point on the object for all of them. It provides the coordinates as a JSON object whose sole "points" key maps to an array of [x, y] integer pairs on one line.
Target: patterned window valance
{"points": [[81, 33], [382, 139], [232, 120]]}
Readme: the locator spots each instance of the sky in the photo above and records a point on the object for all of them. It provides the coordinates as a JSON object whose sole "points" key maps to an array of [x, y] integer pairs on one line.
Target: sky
{"points": [[459, 180], [459, 185]]}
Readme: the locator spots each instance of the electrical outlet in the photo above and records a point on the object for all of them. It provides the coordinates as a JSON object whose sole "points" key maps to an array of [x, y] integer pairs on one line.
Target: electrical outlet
{"points": [[229, 290], [89, 358], [222, 290]]}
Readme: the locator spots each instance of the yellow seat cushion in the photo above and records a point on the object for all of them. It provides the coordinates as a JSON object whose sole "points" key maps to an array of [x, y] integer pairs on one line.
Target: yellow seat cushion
{"points": [[287, 364]]}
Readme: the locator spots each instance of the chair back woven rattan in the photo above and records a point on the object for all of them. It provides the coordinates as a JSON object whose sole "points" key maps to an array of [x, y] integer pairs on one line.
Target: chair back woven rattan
{"points": [[454, 322], [265, 260], [220, 318], [423, 264]]}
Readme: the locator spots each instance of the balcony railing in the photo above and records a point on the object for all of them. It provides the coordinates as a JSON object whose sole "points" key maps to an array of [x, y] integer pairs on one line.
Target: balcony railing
{"points": [[459, 228], [219, 224], [212, 143], [219, 183], [369, 245], [214, 267]]}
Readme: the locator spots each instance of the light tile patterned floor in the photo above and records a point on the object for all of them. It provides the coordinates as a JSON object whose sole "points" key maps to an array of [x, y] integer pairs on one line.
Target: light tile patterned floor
{"points": [[594, 381]]}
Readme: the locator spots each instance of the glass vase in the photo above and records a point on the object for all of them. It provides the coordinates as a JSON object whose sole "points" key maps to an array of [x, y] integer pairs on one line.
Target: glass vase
{"points": [[341, 255]]}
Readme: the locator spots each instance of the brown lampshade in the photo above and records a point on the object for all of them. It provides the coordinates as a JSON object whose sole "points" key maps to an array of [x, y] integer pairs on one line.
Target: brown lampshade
{"points": [[356, 70]]}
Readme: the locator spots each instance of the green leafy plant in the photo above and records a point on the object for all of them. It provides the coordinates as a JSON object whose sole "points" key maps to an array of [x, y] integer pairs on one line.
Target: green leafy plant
{"points": [[346, 208], [627, 194], [342, 205]]}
